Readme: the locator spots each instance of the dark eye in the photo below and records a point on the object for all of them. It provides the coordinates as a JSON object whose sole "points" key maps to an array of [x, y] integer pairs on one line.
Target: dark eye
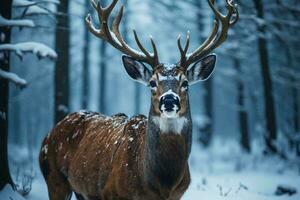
{"points": [[185, 84], [153, 84]]}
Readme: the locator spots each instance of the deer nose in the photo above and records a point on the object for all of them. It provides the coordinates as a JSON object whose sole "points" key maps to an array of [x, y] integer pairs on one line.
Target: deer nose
{"points": [[169, 103]]}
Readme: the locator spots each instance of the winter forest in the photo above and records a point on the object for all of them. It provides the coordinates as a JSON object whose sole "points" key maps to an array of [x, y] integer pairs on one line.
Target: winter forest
{"points": [[246, 116]]}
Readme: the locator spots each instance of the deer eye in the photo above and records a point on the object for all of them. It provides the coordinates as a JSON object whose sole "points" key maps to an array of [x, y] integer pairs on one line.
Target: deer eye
{"points": [[185, 84], [153, 84]]}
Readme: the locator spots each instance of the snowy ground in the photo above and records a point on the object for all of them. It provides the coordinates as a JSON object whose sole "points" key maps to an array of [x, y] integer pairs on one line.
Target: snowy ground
{"points": [[222, 172]]}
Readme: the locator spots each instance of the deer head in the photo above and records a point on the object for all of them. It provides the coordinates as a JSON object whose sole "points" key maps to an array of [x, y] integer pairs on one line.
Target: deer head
{"points": [[168, 83]]}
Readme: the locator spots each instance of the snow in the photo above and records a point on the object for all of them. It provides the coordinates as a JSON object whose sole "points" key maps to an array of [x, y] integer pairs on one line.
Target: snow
{"points": [[14, 78], [247, 185], [25, 3], [2, 115], [221, 172], [201, 120], [225, 172], [9, 194], [39, 49], [36, 10], [63, 108], [16, 22], [45, 149]]}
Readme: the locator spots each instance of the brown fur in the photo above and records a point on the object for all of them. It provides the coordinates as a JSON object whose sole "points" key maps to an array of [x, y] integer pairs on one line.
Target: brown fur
{"points": [[102, 158]]}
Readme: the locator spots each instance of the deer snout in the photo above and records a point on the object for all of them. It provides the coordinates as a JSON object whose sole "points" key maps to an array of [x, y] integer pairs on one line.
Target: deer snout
{"points": [[169, 104]]}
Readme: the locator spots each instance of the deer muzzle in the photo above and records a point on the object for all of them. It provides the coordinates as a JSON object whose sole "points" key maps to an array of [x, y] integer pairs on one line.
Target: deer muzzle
{"points": [[169, 104]]}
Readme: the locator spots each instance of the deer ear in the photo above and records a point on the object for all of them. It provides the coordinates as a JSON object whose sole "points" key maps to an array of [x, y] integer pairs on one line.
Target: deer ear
{"points": [[202, 69], [137, 70]]}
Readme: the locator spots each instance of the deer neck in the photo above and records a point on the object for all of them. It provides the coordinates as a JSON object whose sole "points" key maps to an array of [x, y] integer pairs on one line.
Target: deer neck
{"points": [[167, 148]]}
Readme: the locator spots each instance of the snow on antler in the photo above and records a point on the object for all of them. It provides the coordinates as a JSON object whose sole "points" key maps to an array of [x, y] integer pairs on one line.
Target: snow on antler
{"points": [[16, 22], [39, 49], [14, 78]]}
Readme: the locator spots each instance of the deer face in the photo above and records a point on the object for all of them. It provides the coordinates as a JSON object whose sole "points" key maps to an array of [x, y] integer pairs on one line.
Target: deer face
{"points": [[169, 83]]}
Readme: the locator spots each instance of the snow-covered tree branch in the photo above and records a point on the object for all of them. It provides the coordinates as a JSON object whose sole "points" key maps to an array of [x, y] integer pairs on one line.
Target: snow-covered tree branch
{"points": [[25, 3], [14, 78], [41, 50], [16, 22]]}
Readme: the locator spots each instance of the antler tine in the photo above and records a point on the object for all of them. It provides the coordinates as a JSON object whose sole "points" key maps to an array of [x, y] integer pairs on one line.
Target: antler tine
{"points": [[155, 52], [126, 48], [234, 11], [216, 38], [154, 57], [187, 44], [137, 40], [109, 8], [183, 52], [114, 36], [94, 4], [183, 56]]}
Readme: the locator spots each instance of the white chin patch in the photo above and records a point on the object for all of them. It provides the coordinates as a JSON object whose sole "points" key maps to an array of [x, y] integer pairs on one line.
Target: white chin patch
{"points": [[172, 114], [169, 114], [170, 125]]}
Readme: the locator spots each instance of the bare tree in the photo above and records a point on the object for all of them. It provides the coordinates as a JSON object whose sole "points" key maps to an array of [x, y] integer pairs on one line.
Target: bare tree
{"points": [[102, 76], [6, 76], [270, 115], [207, 129], [86, 64], [242, 113], [287, 74], [5, 178], [62, 65], [103, 72]]}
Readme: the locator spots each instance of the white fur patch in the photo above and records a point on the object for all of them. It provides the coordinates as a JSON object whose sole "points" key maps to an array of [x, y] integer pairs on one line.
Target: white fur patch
{"points": [[170, 92], [164, 78], [167, 125], [172, 114]]}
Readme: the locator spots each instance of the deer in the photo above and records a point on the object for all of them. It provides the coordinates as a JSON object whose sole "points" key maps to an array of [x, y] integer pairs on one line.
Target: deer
{"points": [[99, 157]]}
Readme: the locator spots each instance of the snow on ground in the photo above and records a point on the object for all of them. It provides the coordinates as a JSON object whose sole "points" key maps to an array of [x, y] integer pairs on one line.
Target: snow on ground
{"points": [[9, 194], [248, 185], [225, 172], [222, 172]]}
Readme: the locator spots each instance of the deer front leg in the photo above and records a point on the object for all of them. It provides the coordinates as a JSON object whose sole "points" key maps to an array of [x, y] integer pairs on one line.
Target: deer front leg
{"points": [[58, 187]]}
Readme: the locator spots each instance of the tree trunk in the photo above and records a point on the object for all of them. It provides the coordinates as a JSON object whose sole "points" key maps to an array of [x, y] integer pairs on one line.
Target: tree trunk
{"points": [[62, 63], [208, 110], [296, 115], [137, 97], [295, 145], [102, 84], [86, 64], [242, 113], [207, 130], [295, 107], [271, 129], [103, 72], [286, 49], [137, 86], [5, 178]]}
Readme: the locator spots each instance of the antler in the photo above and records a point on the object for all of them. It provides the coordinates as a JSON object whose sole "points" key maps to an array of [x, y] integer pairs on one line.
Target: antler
{"points": [[215, 39], [114, 36]]}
